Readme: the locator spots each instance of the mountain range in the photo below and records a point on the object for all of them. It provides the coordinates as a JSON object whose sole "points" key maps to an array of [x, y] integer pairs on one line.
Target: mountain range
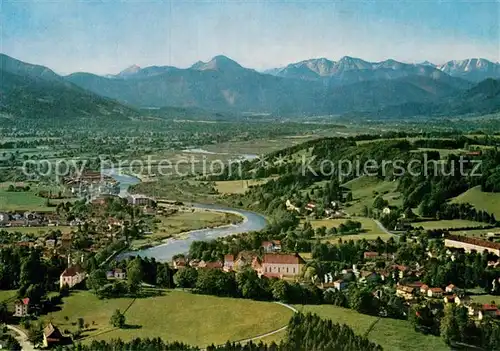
{"points": [[312, 87], [350, 69], [33, 91]]}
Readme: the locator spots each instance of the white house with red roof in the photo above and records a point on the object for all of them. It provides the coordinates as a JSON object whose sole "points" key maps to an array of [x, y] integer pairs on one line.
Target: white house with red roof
{"points": [[22, 307]]}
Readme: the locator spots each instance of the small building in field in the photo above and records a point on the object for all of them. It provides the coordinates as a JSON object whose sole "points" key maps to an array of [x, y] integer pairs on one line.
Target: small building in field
{"points": [[72, 276], [22, 307], [51, 336], [119, 274]]}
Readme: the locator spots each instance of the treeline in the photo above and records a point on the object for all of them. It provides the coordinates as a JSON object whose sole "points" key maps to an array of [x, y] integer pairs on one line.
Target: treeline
{"points": [[246, 284], [455, 327], [24, 269], [304, 332], [138, 270]]}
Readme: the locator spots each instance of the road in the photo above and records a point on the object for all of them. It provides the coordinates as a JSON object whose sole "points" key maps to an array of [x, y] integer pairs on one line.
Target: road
{"points": [[382, 228], [271, 332], [22, 338]]}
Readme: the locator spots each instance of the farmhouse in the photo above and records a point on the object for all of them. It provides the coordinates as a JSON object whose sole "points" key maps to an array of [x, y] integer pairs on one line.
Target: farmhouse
{"points": [[471, 244], [282, 265], [72, 276], [51, 335]]}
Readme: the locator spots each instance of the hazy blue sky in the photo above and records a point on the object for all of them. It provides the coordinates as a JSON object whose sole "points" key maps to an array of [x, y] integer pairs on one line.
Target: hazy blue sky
{"points": [[107, 36]]}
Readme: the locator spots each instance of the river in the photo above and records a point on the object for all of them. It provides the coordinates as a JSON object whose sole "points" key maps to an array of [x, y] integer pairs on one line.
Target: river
{"points": [[164, 252]]}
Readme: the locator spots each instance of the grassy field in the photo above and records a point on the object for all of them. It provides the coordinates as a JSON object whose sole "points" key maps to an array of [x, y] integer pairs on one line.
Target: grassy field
{"points": [[12, 201], [27, 200], [39, 231], [452, 223], [9, 297], [370, 229], [365, 189], [7, 294], [237, 186], [476, 232], [442, 152], [485, 298], [391, 334], [176, 315], [489, 202]]}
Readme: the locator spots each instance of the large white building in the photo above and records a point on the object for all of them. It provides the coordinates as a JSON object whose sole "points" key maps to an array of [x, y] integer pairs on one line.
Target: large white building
{"points": [[469, 244], [72, 276]]}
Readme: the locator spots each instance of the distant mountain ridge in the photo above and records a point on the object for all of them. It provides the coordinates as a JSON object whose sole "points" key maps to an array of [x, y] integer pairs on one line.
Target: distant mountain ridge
{"points": [[474, 69], [33, 91], [349, 69], [311, 87], [315, 86]]}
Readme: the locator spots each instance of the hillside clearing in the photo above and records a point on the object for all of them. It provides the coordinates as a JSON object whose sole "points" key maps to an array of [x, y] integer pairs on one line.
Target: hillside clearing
{"points": [[448, 223], [489, 202]]}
